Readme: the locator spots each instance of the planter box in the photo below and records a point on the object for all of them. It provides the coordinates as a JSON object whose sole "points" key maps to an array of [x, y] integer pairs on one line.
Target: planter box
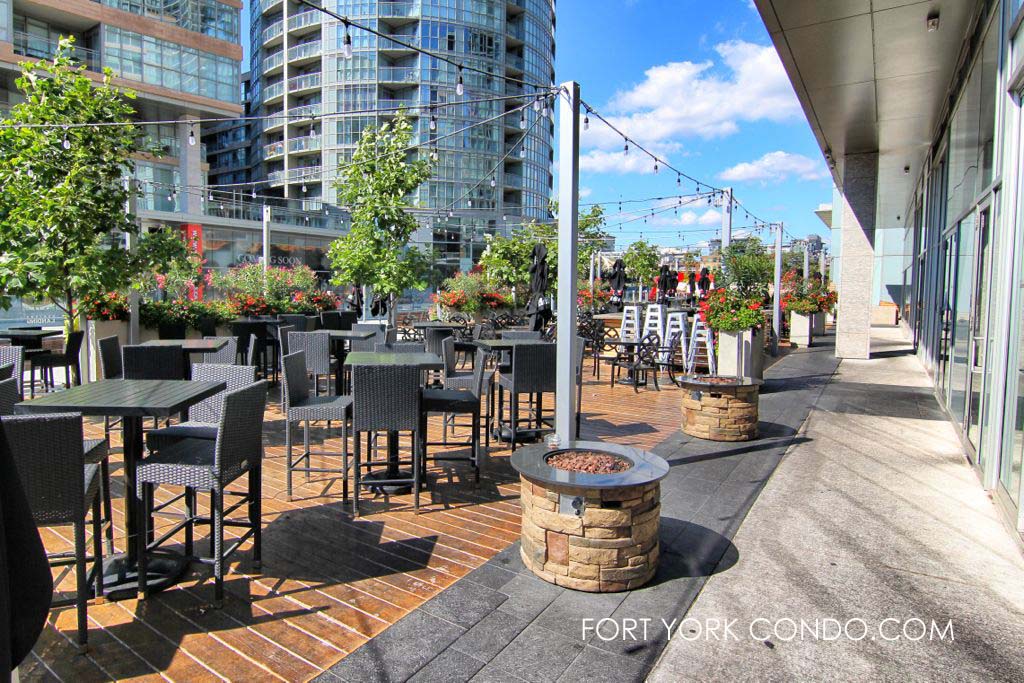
{"points": [[818, 330], [741, 354], [800, 329]]}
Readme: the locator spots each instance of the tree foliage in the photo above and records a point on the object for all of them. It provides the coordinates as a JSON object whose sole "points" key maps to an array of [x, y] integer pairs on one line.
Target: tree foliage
{"points": [[747, 267], [642, 260], [62, 209], [376, 250]]}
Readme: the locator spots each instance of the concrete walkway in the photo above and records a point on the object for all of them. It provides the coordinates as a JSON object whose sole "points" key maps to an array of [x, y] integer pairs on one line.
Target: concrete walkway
{"points": [[875, 520]]}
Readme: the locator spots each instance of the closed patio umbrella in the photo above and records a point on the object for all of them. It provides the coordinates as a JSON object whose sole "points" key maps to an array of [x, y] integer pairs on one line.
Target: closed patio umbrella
{"points": [[539, 307]]}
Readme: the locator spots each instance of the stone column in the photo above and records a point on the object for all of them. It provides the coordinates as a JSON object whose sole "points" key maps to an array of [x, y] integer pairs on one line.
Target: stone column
{"points": [[190, 196], [859, 201]]}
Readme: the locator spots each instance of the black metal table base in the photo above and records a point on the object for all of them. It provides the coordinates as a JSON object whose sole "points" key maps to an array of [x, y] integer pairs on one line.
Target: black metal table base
{"points": [[389, 489], [121, 581], [526, 435]]}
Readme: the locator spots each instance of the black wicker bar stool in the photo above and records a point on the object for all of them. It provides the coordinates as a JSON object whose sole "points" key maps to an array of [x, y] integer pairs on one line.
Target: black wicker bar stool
{"points": [[205, 465], [300, 407]]}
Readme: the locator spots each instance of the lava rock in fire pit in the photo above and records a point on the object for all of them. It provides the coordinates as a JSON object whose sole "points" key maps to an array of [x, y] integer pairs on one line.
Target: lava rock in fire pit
{"points": [[588, 461]]}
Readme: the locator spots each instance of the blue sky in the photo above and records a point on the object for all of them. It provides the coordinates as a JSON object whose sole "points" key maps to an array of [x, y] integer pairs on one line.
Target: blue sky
{"points": [[698, 83]]}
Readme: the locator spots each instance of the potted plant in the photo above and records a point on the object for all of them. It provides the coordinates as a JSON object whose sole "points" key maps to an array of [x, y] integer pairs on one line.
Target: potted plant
{"points": [[171, 319], [468, 293], [738, 323], [801, 306]]}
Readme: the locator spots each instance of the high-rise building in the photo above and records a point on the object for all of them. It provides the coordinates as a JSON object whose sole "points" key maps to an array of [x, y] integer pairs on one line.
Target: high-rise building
{"points": [[182, 59], [299, 70]]}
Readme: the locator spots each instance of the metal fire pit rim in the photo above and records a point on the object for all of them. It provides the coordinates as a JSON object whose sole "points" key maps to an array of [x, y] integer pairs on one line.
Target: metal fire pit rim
{"points": [[531, 462]]}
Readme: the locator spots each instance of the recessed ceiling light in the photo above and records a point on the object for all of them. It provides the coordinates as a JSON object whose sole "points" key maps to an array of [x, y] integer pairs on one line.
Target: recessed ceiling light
{"points": [[933, 21]]}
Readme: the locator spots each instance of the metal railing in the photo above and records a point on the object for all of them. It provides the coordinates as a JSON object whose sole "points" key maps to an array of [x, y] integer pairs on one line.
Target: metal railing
{"points": [[397, 8], [303, 19], [273, 31], [304, 82], [41, 48], [304, 143], [398, 74], [411, 106], [304, 50], [512, 180], [273, 149], [273, 90], [261, 6], [306, 173], [273, 61]]}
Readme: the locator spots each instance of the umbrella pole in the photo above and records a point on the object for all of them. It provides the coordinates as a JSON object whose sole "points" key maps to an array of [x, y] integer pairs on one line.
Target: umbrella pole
{"points": [[568, 250]]}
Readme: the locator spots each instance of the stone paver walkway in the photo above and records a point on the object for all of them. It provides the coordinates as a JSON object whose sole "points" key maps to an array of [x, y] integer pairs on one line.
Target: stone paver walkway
{"points": [[501, 623], [875, 520]]}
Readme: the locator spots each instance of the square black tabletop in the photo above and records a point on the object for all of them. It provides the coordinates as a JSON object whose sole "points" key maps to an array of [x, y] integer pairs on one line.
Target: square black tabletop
{"points": [[503, 344], [351, 334], [28, 334], [191, 345], [132, 397], [424, 361]]}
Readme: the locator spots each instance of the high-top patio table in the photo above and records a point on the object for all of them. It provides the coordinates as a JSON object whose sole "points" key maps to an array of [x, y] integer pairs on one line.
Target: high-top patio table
{"points": [[341, 345], [423, 361], [508, 344], [28, 339], [133, 400], [438, 325], [189, 347]]}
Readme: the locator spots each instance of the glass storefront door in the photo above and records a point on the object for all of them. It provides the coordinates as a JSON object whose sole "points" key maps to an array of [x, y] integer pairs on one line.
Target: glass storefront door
{"points": [[977, 378], [946, 314], [962, 292]]}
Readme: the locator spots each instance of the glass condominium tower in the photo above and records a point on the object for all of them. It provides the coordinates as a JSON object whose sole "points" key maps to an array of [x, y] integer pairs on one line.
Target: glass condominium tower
{"points": [[299, 70]]}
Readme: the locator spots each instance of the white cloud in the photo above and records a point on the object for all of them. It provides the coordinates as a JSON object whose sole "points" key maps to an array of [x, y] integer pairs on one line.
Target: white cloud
{"points": [[776, 167], [709, 217], [602, 161], [585, 192], [705, 99]]}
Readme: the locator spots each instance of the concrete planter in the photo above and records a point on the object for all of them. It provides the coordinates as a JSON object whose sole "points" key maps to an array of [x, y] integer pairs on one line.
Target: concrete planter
{"points": [[741, 354], [800, 329], [819, 324]]}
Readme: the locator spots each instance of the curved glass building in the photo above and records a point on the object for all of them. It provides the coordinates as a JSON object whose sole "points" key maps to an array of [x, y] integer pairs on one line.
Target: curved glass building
{"points": [[300, 70]]}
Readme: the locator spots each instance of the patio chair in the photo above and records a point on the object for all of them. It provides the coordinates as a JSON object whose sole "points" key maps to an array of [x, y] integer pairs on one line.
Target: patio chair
{"points": [[227, 354], [299, 406], [14, 356], [252, 352], [532, 372], [604, 349], [380, 337], [204, 416], [386, 398], [110, 368], [205, 465], [667, 357], [8, 395], [643, 361], [464, 343], [346, 319], [152, 362], [316, 347], [300, 322], [7, 371], [452, 401], [62, 489], [330, 320], [67, 359]]}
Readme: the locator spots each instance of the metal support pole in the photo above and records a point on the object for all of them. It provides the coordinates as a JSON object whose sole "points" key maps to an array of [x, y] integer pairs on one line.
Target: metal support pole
{"points": [[131, 244], [807, 261], [593, 255], [821, 264], [726, 218], [777, 292], [568, 250], [266, 245]]}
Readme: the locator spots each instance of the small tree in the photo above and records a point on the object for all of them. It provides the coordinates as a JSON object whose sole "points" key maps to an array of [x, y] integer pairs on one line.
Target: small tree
{"points": [[747, 267], [376, 250], [62, 208], [506, 262], [642, 261]]}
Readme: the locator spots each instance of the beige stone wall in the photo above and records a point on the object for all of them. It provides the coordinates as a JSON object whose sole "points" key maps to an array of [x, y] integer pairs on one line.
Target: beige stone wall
{"points": [[612, 547], [725, 414]]}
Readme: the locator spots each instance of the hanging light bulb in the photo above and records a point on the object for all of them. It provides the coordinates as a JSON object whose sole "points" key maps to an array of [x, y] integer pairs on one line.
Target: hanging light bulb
{"points": [[303, 188], [679, 180], [522, 151], [655, 166], [494, 181], [433, 154], [254, 192], [433, 120], [192, 136], [586, 121], [544, 108], [312, 131], [451, 214], [66, 144], [469, 203], [460, 86], [536, 104], [209, 197], [625, 148], [346, 44], [522, 119]]}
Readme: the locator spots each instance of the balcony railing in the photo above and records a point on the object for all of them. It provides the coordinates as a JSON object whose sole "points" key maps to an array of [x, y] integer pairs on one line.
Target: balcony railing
{"points": [[260, 6], [273, 90], [304, 82], [274, 149], [273, 61], [388, 44], [398, 74], [41, 48], [310, 174], [304, 51], [309, 110], [273, 31], [397, 8], [411, 106], [303, 20], [512, 180], [304, 143], [514, 61], [516, 31]]}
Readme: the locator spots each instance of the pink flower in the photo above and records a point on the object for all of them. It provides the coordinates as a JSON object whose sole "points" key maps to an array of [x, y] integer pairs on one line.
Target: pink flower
{"points": [[160, 281]]}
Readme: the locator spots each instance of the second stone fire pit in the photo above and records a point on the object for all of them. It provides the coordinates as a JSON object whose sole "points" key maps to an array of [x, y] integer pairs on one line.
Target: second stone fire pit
{"points": [[720, 408], [590, 514]]}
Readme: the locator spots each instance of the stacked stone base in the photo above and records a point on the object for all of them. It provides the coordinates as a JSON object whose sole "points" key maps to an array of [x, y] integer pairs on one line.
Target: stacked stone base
{"points": [[612, 547], [723, 413]]}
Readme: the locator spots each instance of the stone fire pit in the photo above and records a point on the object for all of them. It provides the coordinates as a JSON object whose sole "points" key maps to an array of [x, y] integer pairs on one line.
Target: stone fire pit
{"points": [[590, 531], [720, 408]]}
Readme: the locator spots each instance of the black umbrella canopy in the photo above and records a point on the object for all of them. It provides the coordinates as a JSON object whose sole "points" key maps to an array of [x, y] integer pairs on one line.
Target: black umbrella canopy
{"points": [[539, 270], [617, 280]]}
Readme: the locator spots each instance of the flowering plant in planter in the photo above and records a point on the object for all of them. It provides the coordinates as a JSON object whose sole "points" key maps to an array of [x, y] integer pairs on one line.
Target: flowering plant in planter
{"points": [[155, 314], [248, 306], [314, 302], [587, 297], [797, 297], [277, 287], [727, 310], [469, 293], [454, 300], [107, 306], [493, 300]]}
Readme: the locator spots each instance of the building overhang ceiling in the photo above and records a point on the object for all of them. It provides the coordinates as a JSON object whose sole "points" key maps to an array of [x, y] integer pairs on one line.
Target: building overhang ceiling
{"points": [[872, 77]]}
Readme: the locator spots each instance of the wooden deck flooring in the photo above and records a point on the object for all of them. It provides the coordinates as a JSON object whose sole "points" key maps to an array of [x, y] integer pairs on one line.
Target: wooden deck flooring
{"points": [[328, 582]]}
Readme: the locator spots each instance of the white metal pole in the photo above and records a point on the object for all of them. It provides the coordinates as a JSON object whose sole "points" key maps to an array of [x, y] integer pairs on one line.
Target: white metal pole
{"points": [[821, 263], [777, 292], [266, 245], [807, 261], [568, 249], [726, 217], [131, 244]]}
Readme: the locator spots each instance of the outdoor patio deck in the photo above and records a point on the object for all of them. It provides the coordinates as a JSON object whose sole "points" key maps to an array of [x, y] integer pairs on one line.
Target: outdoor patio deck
{"points": [[328, 583]]}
